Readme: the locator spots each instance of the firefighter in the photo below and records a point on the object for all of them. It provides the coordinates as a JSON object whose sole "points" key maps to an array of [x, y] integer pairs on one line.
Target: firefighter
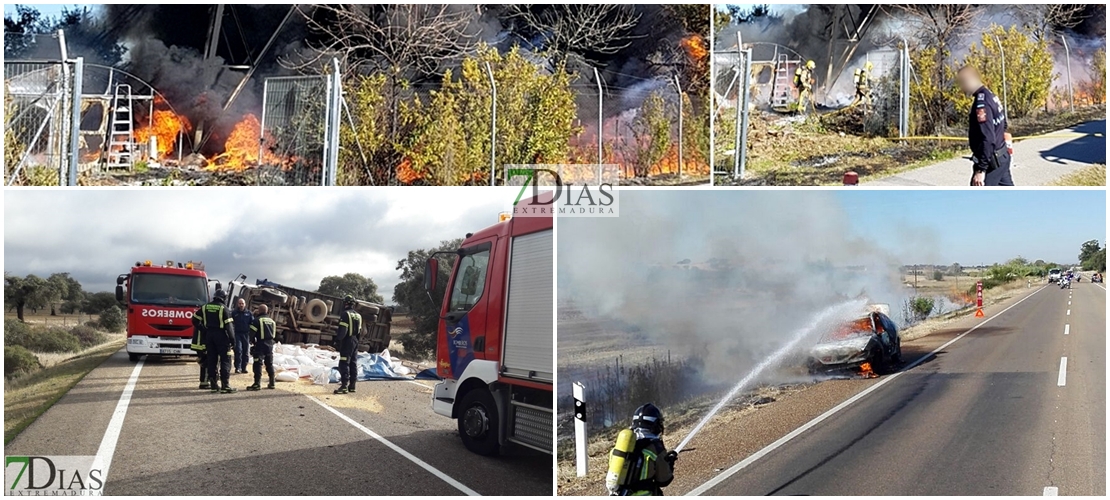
{"points": [[986, 132], [263, 332], [803, 81], [346, 339], [219, 334], [646, 465], [863, 84], [198, 346]]}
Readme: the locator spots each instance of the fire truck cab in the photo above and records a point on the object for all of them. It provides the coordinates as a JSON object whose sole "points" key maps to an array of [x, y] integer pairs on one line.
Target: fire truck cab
{"points": [[495, 340], [160, 301]]}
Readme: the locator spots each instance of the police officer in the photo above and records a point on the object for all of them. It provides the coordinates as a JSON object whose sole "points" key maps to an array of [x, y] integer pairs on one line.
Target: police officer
{"points": [[652, 466], [986, 129], [219, 334], [346, 339], [803, 81], [263, 331], [863, 84], [199, 347]]}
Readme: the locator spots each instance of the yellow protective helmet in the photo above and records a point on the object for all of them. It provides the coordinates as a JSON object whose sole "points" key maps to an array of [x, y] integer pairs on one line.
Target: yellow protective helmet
{"points": [[810, 64], [867, 66]]}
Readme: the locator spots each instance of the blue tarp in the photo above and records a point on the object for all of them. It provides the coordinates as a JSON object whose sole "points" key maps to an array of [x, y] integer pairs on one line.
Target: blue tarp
{"points": [[371, 367]]}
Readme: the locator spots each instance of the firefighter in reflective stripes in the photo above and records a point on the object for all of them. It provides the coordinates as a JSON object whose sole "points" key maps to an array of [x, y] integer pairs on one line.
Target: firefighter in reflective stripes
{"points": [[262, 347], [346, 339], [650, 465], [198, 346], [219, 335]]}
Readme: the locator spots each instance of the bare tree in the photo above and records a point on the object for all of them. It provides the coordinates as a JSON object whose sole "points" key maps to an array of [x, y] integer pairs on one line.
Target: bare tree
{"points": [[579, 28], [1046, 20], [940, 25], [405, 40]]}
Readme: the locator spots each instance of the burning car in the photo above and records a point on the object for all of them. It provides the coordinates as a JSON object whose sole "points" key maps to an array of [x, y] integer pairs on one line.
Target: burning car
{"points": [[868, 344]]}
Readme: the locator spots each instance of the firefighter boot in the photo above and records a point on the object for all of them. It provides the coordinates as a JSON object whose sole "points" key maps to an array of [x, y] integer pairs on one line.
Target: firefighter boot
{"points": [[227, 389], [255, 387], [340, 390], [271, 384], [351, 387], [205, 385]]}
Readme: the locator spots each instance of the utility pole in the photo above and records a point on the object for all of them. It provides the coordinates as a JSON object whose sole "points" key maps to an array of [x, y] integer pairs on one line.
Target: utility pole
{"points": [[1067, 59], [1005, 92], [600, 124], [678, 85]]}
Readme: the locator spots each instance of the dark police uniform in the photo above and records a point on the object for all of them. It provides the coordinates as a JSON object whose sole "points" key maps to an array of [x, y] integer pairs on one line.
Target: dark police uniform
{"points": [[262, 336], [216, 321], [346, 339], [985, 129]]}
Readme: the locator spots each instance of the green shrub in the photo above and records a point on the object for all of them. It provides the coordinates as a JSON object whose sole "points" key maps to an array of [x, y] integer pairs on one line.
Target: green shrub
{"points": [[112, 320], [87, 336], [15, 332], [18, 360], [922, 307], [51, 339]]}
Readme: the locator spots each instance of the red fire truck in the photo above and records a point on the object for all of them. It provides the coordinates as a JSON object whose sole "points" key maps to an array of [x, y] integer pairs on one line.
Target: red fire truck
{"points": [[496, 334], [160, 303]]}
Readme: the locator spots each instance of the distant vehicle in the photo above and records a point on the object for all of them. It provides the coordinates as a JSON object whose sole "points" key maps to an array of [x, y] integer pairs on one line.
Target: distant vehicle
{"points": [[160, 303], [1096, 278], [1065, 282], [1054, 275], [868, 343], [495, 335]]}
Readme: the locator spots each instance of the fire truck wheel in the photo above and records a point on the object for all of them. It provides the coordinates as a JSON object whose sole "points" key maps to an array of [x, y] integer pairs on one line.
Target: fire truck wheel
{"points": [[478, 423], [134, 357]]}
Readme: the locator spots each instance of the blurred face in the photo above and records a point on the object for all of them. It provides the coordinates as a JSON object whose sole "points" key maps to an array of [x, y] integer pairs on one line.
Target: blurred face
{"points": [[241, 304], [969, 83]]}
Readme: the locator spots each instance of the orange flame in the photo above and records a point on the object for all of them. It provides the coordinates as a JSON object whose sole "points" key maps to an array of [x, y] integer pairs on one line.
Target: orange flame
{"points": [[241, 148], [695, 47], [165, 125], [865, 371], [406, 174]]}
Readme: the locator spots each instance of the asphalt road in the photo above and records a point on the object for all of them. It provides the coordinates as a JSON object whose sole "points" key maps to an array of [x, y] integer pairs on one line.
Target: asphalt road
{"points": [[1038, 161], [176, 440], [987, 414]]}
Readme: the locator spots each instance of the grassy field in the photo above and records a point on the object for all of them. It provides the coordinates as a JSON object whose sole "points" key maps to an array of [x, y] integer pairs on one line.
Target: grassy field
{"points": [[27, 397], [44, 318], [1094, 175]]}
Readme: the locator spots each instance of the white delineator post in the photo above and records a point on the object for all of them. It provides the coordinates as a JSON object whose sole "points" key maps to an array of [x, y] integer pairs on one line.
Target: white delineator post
{"points": [[580, 440]]}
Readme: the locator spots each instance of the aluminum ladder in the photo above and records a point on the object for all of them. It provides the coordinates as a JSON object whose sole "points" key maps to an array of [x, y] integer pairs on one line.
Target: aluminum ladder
{"points": [[782, 93], [121, 139]]}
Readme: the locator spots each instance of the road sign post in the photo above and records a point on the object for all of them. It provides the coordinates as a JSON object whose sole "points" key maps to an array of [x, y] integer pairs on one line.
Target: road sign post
{"points": [[979, 299], [581, 441]]}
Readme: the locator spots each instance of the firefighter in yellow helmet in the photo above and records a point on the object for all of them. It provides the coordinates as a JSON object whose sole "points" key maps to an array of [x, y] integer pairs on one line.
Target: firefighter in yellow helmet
{"points": [[862, 79], [346, 340], [803, 81], [263, 332], [219, 335], [640, 464]]}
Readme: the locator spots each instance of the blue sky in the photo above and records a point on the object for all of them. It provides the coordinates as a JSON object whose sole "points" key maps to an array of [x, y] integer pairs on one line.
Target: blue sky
{"points": [[49, 10], [982, 227]]}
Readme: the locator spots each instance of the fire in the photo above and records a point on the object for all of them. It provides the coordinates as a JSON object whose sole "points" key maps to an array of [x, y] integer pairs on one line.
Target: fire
{"points": [[241, 148], [165, 127], [865, 371], [695, 47], [406, 174]]}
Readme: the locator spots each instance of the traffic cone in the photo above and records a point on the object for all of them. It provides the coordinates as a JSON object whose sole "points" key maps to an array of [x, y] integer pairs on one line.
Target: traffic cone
{"points": [[979, 313]]}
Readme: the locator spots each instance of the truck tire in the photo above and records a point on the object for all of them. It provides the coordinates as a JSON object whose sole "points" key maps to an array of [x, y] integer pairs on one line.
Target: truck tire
{"points": [[315, 310], [134, 357], [479, 422]]}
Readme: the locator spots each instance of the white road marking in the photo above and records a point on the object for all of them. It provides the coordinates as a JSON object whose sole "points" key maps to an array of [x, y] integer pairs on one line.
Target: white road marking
{"points": [[401, 451], [1100, 286], [834, 410], [1069, 312], [1067, 329], [1062, 380], [1069, 302], [1051, 491], [107, 449]]}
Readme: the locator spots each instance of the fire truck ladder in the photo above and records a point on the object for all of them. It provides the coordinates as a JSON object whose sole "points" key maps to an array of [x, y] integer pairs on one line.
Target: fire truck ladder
{"points": [[782, 93], [121, 141]]}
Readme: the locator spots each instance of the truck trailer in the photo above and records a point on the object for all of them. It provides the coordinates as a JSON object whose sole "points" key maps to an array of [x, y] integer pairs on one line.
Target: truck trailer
{"points": [[495, 339], [311, 317]]}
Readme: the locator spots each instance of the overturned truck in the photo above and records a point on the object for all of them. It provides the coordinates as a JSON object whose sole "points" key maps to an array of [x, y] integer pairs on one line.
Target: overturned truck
{"points": [[311, 317]]}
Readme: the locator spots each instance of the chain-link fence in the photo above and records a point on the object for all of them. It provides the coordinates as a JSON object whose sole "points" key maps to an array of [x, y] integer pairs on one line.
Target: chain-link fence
{"points": [[38, 120], [294, 119]]}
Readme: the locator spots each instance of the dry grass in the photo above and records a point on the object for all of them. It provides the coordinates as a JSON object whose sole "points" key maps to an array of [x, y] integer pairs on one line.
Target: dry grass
{"points": [[25, 398], [1093, 175], [49, 359]]}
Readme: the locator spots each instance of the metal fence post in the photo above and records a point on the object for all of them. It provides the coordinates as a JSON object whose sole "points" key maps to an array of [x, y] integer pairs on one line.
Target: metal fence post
{"points": [[1005, 92], [581, 441], [739, 104], [1067, 59], [745, 110], [493, 129], [904, 108], [333, 123], [75, 126], [600, 124], [678, 85]]}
